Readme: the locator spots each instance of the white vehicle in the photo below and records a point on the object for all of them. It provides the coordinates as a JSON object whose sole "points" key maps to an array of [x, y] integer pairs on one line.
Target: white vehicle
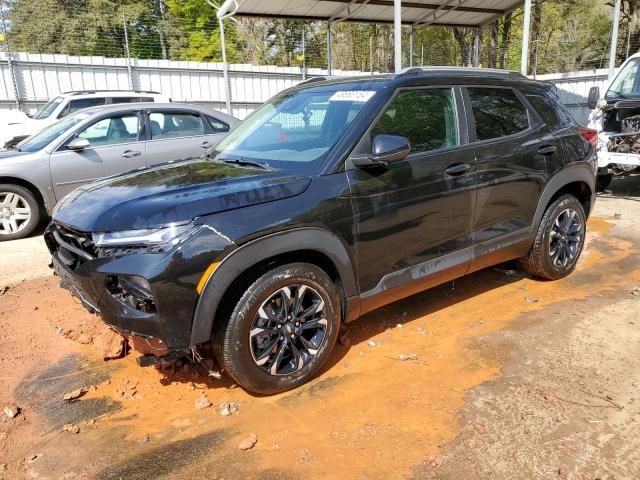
{"points": [[616, 117], [16, 126]]}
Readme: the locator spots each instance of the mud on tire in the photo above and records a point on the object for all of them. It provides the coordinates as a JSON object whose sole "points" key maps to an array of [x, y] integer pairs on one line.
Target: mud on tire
{"points": [[247, 345], [543, 260]]}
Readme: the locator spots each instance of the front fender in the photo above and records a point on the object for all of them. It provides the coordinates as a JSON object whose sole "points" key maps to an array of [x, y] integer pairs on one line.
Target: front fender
{"points": [[247, 255]]}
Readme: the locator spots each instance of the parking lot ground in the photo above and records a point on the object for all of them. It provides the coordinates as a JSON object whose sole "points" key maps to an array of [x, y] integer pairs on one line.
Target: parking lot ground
{"points": [[496, 375]]}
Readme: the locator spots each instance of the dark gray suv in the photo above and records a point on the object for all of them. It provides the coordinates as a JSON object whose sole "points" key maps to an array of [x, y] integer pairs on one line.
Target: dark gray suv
{"points": [[334, 198]]}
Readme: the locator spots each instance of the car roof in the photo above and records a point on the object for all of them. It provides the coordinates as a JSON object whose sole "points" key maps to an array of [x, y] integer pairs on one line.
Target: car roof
{"points": [[110, 93], [123, 107], [421, 76]]}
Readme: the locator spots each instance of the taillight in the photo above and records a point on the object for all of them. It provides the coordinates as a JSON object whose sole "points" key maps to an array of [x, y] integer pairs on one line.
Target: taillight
{"points": [[590, 135]]}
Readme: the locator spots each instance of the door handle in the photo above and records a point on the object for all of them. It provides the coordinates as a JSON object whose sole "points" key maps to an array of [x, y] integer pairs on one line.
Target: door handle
{"points": [[457, 169], [205, 144], [547, 150], [130, 153]]}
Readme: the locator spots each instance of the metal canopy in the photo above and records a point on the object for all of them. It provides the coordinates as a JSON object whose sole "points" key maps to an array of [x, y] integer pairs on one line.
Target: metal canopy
{"points": [[464, 13]]}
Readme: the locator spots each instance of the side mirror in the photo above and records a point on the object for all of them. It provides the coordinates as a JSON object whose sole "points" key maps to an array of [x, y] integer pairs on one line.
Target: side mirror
{"points": [[78, 144], [385, 149], [594, 96]]}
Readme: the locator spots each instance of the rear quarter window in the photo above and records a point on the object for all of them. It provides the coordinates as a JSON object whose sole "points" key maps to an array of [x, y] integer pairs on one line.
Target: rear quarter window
{"points": [[497, 112], [550, 110]]}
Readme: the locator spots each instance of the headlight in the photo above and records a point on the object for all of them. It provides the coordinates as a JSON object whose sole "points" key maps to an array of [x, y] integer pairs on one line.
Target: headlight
{"points": [[167, 236]]}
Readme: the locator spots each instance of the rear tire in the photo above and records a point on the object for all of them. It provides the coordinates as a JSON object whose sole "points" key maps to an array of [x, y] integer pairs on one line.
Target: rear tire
{"points": [[20, 212], [267, 348], [559, 240]]}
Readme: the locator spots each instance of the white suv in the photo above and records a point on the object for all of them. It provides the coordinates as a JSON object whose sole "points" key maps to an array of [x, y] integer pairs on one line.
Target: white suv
{"points": [[14, 128]]}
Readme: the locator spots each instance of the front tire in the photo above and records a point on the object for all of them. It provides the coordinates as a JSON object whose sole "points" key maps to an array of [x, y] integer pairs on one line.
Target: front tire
{"points": [[559, 240], [282, 329], [20, 212]]}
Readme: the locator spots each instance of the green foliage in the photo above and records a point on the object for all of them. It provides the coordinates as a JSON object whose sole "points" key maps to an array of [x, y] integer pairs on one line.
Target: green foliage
{"points": [[566, 35]]}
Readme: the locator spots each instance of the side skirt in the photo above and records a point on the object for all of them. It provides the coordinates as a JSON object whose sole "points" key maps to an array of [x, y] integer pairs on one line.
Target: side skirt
{"points": [[411, 280]]}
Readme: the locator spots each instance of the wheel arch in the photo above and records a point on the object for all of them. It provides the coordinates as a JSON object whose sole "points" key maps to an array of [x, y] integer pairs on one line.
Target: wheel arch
{"points": [[311, 245], [42, 201], [578, 180]]}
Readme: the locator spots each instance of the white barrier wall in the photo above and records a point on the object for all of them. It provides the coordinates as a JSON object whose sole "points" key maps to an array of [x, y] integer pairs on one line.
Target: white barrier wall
{"points": [[573, 89], [41, 77]]}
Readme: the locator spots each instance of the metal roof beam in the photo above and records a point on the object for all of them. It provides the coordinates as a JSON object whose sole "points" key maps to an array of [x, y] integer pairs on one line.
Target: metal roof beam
{"points": [[421, 6]]}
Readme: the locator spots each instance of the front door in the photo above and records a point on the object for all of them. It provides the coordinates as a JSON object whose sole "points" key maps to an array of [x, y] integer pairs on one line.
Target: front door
{"points": [[413, 219], [114, 147]]}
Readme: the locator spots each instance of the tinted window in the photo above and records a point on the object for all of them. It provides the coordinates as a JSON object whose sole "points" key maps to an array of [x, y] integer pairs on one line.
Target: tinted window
{"points": [[112, 130], [550, 110], [216, 125], [130, 99], [426, 117], [497, 112], [80, 103], [178, 124]]}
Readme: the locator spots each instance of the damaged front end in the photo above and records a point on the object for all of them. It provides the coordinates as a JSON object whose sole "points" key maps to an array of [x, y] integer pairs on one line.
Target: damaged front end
{"points": [[619, 136], [142, 283]]}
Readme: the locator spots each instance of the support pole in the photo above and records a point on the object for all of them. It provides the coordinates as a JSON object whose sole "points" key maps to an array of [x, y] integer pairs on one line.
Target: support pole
{"points": [[329, 48], [524, 61], [12, 71], [411, 46], [126, 48], [304, 52], [397, 34], [225, 69], [614, 39], [476, 48], [371, 53]]}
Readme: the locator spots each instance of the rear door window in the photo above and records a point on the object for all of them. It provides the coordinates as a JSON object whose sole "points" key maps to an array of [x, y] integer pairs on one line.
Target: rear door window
{"points": [[497, 112], [115, 100], [426, 117], [175, 124]]}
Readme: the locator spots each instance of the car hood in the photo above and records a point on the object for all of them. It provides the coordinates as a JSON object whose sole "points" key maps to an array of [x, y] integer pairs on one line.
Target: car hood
{"points": [[157, 197], [11, 154]]}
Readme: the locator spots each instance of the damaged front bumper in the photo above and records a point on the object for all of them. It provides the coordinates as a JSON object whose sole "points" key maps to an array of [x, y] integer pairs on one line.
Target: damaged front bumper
{"points": [[143, 294]]}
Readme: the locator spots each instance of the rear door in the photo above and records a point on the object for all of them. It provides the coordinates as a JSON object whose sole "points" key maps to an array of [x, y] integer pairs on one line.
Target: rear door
{"points": [[178, 135], [513, 148], [115, 147]]}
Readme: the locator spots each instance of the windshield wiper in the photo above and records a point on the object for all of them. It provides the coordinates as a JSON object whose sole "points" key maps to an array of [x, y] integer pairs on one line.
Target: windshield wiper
{"points": [[243, 163]]}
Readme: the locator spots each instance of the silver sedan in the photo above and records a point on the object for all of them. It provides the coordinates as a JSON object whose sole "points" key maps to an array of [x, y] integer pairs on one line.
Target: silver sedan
{"points": [[96, 143]]}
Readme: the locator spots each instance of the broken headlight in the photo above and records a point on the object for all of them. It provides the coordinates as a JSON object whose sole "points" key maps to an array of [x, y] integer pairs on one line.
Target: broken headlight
{"points": [[132, 241]]}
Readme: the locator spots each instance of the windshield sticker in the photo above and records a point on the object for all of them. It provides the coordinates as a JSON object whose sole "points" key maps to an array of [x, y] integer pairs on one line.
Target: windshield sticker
{"points": [[361, 96]]}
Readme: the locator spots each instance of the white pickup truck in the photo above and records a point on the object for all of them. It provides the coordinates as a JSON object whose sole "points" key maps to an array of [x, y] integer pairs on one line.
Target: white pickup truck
{"points": [[616, 117]]}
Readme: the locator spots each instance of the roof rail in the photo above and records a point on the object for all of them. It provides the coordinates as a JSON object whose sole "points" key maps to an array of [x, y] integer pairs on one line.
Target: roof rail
{"points": [[81, 92], [314, 79], [420, 70]]}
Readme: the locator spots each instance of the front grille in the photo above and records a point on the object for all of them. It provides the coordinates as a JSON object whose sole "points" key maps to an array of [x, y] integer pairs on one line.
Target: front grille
{"points": [[74, 247]]}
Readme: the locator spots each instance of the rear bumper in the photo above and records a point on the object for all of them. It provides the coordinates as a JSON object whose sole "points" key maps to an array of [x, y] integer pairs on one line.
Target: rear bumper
{"points": [[172, 278]]}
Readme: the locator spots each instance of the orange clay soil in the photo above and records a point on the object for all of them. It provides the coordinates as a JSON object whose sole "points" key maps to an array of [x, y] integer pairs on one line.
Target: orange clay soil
{"points": [[369, 414]]}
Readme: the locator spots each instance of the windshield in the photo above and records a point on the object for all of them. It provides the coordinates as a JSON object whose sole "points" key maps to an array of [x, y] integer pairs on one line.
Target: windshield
{"points": [[627, 83], [47, 109], [295, 130], [49, 134]]}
